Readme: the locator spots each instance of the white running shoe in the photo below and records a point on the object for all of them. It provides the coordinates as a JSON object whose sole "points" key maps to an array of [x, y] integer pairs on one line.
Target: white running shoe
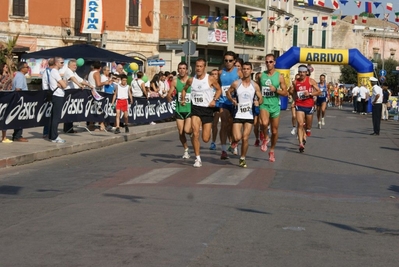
{"points": [[58, 140], [235, 151], [319, 125], [197, 163], [293, 131], [322, 121], [186, 155]]}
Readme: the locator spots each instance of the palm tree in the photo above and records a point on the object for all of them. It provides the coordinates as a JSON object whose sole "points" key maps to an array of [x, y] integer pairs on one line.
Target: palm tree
{"points": [[6, 54]]}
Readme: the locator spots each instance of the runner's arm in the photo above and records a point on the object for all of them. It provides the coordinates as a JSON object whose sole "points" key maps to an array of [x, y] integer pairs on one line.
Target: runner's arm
{"points": [[258, 93], [283, 87], [171, 90], [183, 92], [231, 90], [316, 90]]}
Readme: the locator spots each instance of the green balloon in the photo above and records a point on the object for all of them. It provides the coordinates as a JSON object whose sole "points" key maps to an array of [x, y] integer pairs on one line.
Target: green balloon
{"points": [[144, 78], [129, 79], [80, 62]]}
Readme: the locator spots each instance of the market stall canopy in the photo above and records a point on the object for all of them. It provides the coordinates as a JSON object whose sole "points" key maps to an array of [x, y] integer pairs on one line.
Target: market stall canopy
{"points": [[85, 51]]}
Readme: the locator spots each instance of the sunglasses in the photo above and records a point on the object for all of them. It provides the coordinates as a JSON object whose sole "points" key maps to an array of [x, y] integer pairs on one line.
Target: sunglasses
{"points": [[270, 62], [228, 60]]}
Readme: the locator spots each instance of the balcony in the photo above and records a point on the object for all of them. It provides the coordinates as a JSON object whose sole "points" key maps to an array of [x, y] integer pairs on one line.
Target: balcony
{"points": [[249, 39]]}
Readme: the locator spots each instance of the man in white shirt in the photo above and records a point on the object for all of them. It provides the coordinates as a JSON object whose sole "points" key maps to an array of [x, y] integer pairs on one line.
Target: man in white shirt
{"points": [[376, 101], [74, 81], [57, 85], [46, 87], [355, 92], [364, 96]]}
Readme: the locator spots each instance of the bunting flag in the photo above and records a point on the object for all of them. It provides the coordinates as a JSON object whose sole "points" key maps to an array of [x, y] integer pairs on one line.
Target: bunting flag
{"points": [[324, 18], [301, 3], [194, 19], [377, 15], [389, 6], [310, 2], [335, 4], [314, 20], [334, 20], [320, 2], [358, 3], [396, 16], [92, 17], [377, 4], [343, 16], [364, 19], [386, 16], [368, 7], [343, 2]]}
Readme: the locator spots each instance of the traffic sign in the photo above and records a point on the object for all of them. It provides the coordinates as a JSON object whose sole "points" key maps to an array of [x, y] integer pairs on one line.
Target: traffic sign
{"points": [[158, 62], [189, 47], [383, 72], [382, 79]]}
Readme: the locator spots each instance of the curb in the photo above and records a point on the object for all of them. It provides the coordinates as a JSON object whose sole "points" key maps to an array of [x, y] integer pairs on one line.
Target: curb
{"points": [[66, 149]]}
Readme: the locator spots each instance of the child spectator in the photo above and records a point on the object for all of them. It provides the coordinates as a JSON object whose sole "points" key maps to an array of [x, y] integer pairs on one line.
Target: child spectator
{"points": [[122, 93]]}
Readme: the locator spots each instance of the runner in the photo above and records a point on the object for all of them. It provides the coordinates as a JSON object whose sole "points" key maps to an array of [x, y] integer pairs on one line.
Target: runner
{"points": [[321, 102], [244, 91], [203, 101], [216, 115], [227, 75], [182, 113], [293, 111], [273, 85], [304, 90], [256, 117]]}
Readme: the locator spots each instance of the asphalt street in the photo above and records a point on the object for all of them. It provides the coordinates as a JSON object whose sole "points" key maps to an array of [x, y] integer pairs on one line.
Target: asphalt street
{"points": [[138, 203]]}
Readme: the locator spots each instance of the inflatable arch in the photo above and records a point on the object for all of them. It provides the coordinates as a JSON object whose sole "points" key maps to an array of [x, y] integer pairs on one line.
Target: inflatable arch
{"points": [[353, 57]]}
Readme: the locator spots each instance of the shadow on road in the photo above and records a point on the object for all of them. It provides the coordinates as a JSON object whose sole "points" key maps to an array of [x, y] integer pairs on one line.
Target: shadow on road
{"points": [[134, 199]]}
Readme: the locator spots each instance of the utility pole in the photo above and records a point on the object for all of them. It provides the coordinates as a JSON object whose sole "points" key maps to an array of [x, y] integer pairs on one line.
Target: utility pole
{"points": [[189, 35]]}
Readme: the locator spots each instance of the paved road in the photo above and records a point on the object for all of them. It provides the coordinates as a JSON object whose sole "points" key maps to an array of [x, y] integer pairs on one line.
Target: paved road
{"points": [[139, 204]]}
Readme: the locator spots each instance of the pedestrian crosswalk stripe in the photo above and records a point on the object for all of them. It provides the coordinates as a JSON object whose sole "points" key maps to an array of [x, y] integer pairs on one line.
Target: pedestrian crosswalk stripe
{"points": [[154, 176], [227, 176]]}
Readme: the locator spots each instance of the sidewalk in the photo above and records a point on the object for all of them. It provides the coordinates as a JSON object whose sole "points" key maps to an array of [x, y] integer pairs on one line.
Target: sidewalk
{"points": [[18, 153]]}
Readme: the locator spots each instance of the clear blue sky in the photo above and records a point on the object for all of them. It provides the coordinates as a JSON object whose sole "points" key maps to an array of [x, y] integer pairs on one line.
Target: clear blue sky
{"points": [[351, 8]]}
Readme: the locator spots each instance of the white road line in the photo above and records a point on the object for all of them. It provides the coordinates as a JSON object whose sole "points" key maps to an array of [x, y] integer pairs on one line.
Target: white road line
{"points": [[227, 176], [154, 176]]}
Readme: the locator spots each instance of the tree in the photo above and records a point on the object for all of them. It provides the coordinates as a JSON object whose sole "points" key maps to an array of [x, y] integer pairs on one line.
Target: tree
{"points": [[348, 75], [389, 66], [370, 15], [6, 54]]}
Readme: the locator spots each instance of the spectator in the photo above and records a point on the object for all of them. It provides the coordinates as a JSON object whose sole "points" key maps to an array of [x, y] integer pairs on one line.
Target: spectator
{"points": [[46, 87], [106, 76], [19, 84], [386, 94], [122, 95], [364, 96], [138, 86], [57, 85], [355, 94], [5, 85], [154, 86], [163, 87]]}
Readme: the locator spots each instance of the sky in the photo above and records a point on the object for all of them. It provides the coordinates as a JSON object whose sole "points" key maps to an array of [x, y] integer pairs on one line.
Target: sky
{"points": [[351, 8]]}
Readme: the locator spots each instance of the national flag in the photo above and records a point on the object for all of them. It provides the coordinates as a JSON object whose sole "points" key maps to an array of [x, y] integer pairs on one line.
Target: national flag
{"points": [[389, 6], [358, 3], [396, 16], [334, 20], [364, 19], [368, 7], [354, 19], [335, 4], [320, 2]]}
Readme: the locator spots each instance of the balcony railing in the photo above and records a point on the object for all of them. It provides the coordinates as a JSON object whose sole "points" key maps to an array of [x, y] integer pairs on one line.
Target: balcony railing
{"points": [[249, 39]]}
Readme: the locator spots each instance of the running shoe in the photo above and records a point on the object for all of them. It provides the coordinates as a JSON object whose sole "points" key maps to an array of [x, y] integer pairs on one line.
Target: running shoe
{"points": [[261, 136], [126, 129], [293, 131], [186, 155], [263, 147], [117, 131], [319, 125], [308, 132], [197, 163], [224, 155], [271, 156], [304, 142], [7, 141], [301, 148], [322, 121], [58, 140], [257, 142], [242, 163], [235, 151], [213, 146]]}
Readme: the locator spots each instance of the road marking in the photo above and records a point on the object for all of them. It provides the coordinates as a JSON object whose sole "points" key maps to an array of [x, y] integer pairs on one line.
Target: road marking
{"points": [[225, 176], [154, 176]]}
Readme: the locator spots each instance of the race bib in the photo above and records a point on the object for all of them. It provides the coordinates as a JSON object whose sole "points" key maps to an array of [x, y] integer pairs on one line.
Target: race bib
{"points": [[266, 92], [323, 94], [244, 107], [198, 98], [224, 89], [187, 99], [301, 95]]}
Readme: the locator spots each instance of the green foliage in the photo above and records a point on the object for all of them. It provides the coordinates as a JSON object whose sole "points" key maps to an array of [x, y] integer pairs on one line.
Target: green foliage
{"points": [[370, 15], [348, 75], [389, 65]]}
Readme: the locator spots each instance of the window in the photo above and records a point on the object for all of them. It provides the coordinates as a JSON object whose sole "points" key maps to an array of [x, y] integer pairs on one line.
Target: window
{"points": [[78, 18], [295, 36], [323, 39], [310, 36], [134, 13], [18, 8]]}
